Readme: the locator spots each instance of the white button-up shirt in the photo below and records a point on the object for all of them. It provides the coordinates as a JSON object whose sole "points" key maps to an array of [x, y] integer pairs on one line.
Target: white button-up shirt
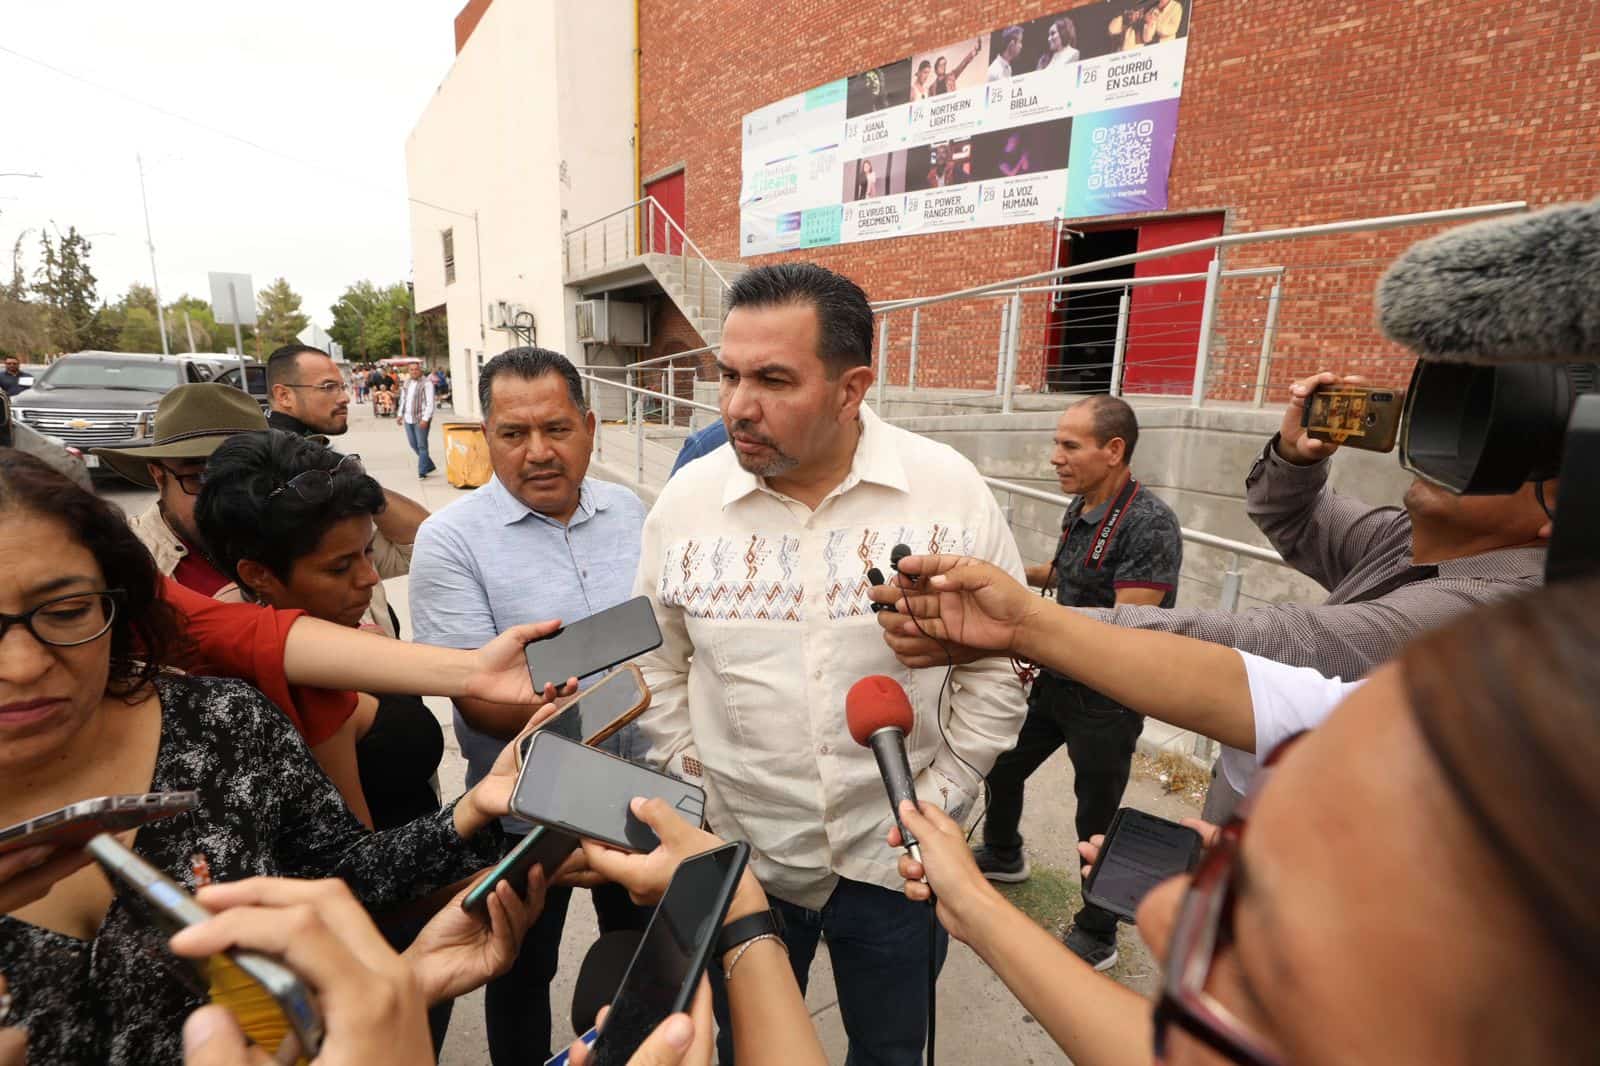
{"points": [[766, 624]]}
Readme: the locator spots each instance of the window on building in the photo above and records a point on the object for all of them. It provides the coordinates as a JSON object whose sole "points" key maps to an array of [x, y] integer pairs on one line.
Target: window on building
{"points": [[449, 236]]}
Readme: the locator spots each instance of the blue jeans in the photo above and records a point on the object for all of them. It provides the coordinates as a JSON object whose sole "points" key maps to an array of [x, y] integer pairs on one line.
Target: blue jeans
{"points": [[417, 437], [878, 941]]}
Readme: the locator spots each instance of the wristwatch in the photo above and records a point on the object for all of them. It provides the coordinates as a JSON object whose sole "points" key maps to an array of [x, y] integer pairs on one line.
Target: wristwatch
{"points": [[761, 923]]}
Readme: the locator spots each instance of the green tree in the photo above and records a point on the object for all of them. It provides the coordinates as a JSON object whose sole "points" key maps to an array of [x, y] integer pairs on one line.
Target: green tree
{"points": [[139, 332], [65, 285], [368, 321], [279, 319]]}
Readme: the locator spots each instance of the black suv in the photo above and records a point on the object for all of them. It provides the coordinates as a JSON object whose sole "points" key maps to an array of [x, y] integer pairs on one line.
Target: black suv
{"points": [[106, 399]]}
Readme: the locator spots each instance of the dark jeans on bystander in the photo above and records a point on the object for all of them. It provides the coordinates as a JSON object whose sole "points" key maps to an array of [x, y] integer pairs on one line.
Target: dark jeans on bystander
{"points": [[1100, 736], [878, 944]]}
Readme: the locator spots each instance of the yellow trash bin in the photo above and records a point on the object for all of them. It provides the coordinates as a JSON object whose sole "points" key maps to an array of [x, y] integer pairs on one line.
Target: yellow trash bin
{"points": [[466, 455]]}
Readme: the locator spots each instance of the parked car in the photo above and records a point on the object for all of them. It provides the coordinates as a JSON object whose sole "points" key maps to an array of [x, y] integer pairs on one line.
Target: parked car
{"points": [[104, 399], [256, 376], [50, 449]]}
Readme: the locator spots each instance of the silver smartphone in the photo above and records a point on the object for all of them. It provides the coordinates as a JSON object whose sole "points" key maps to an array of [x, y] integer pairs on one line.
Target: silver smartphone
{"points": [[176, 909], [73, 825]]}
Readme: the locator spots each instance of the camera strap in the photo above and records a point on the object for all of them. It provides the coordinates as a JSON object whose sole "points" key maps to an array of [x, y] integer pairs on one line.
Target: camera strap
{"points": [[1096, 559]]}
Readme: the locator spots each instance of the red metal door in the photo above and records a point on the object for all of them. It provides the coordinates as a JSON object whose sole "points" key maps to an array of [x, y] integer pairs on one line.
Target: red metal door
{"points": [[668, 194], [1164, 320]]}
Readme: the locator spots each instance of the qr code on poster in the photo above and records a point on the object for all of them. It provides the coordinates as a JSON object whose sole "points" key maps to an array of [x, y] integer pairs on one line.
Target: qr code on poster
{"points": [[1121, 155]]}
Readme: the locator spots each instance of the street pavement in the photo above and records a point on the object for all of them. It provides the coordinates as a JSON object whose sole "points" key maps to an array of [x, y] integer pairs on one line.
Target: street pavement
{"points": [[979, 1020]]}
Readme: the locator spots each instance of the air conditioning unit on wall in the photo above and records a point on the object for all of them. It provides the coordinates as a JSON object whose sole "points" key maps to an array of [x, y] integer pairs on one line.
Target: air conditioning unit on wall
{"points": [[612, 322]]}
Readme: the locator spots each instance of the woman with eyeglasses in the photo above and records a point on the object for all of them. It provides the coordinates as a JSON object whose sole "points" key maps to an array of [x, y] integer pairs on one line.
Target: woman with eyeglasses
{"points": [[1413, 880], [85, 711]]}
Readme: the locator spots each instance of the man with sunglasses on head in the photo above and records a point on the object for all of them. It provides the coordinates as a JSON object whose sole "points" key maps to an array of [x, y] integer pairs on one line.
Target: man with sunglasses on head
{"points": [[191, 422], [310, 399]]}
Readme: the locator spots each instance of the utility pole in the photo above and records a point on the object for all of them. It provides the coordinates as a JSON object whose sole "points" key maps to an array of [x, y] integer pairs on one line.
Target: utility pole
{"points": [[188, 327], [161, 318]]}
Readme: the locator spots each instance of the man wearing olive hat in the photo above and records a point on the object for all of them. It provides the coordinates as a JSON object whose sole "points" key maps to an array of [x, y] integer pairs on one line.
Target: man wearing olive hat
{"points": [[191, 423]]}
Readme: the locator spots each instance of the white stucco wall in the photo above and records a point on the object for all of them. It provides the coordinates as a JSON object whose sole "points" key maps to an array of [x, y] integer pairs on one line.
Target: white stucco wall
{"points": [[538, 83]]}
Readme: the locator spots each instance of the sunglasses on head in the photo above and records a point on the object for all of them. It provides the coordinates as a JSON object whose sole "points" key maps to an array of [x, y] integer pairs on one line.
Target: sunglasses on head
{"points": [[316, 486]]}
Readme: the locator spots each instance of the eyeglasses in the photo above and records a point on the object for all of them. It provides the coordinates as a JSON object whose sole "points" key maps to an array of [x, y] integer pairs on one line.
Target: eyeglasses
{"points": [[1205, 924], [327, 388], [67, 621], [316, 486], [190, 483]]}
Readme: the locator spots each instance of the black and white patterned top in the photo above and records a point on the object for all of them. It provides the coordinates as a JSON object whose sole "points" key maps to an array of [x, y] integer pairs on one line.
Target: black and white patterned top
{"points": [[266, 809]]}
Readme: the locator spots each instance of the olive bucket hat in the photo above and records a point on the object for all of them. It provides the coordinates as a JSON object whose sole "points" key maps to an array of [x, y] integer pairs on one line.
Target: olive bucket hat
{"points": [[191, 423]]}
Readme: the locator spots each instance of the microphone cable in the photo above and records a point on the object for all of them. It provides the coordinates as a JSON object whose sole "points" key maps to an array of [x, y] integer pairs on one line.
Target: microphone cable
{"points": [[946, 692]]}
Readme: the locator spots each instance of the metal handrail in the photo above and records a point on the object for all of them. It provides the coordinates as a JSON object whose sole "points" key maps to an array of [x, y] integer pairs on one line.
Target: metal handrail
{"points": [[655, 205], [1227, 240], [1209, 540], [659, 359], [696, 404]]}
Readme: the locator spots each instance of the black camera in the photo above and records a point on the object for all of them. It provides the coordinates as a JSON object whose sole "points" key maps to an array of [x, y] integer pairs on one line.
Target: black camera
{"points": [[1506, 317]]}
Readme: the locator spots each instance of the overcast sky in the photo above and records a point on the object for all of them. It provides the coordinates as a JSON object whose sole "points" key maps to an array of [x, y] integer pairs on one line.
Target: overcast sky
{"points": [[329, 88]]}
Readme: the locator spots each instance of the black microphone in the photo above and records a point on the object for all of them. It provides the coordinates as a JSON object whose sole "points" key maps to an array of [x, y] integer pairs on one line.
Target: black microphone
{"points": [[601, 975], [875, 578], [878, 714], [899, 552]]}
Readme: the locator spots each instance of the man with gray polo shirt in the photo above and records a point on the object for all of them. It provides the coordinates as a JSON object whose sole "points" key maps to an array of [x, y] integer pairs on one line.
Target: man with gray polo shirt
{"points": [[540, 540]]}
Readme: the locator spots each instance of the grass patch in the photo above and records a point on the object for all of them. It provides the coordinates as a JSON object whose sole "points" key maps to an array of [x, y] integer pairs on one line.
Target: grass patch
{"points": [[1050, 896]]}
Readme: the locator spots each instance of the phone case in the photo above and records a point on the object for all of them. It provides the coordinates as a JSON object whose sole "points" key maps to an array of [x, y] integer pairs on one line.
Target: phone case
{"points": [[1354, 416], [1090, 895], [611, 728], [688, 800], [75, 824], [177, 909], [547, 847]]}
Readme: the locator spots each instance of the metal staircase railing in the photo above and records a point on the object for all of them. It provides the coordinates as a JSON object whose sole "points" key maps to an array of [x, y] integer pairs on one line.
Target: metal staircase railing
{"points": [[643, 228]]}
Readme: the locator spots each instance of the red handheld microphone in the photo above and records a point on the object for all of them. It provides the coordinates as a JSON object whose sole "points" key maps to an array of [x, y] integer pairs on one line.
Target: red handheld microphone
{"points": [[879, 716]]}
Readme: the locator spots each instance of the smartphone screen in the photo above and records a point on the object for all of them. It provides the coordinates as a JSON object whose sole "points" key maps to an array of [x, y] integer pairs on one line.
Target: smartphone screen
{"points": [[590, 717], [1355, 416], [1141, 851], [596, 643], [586, 792], [673, 954]]}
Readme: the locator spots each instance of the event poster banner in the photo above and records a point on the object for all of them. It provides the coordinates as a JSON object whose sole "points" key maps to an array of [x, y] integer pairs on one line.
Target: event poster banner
{"points": [[1066, 116]]}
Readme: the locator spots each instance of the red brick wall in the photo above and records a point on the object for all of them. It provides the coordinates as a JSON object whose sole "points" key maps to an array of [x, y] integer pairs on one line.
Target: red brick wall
{"points": [[1293, 113]]}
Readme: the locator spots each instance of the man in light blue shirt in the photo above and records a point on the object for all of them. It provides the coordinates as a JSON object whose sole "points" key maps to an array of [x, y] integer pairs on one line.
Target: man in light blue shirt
{"points": [[540, 540]]}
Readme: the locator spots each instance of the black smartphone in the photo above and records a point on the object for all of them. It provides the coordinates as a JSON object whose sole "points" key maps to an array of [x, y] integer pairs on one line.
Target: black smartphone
{"points": [[1141, 851], [75, 824], [545, 846], [596, 713], [585, 792], [593, 644], [677, 944], [174, 909]]}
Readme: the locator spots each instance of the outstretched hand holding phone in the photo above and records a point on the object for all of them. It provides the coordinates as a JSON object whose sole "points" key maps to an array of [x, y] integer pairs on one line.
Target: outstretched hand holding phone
{"points": [[373, 1001]]}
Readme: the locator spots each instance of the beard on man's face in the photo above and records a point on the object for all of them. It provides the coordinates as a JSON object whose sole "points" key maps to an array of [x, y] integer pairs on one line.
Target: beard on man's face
{"points": [[773, 462]]}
